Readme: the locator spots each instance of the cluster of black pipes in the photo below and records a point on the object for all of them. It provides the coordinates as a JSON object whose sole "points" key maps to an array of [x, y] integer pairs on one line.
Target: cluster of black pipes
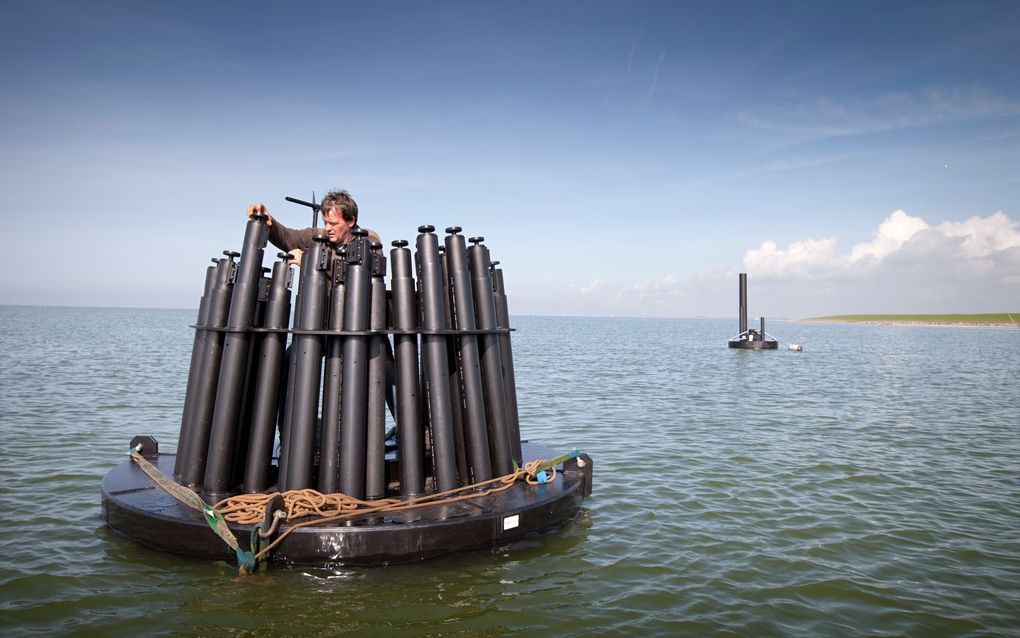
{"points": [[451, 362], [748, 337], [742, 284]]}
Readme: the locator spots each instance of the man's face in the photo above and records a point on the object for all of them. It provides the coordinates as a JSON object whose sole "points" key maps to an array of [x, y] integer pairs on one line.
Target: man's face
{"points": [[337, 228]]}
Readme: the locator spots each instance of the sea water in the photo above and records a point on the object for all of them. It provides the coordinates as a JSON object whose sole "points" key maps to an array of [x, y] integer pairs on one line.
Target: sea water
{"points": [[869, 485]]}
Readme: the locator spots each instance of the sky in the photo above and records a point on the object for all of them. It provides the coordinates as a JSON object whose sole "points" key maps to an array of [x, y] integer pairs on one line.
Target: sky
{"points": [[624, 158]]}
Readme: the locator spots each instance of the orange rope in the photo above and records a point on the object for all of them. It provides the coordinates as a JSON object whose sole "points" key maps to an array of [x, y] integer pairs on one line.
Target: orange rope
{"points": [[248, 509]]}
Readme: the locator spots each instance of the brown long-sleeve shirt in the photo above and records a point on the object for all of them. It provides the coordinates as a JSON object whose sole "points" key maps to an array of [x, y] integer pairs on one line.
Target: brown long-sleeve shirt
{"points": [[287, 239]]}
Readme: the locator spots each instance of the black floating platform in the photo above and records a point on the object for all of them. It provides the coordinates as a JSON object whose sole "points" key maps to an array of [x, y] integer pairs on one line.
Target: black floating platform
{"points": [[135, 507], [748, 344]]}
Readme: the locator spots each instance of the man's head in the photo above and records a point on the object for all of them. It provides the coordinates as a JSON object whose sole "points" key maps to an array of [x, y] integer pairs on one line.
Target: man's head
{"points": [[339, 215]]}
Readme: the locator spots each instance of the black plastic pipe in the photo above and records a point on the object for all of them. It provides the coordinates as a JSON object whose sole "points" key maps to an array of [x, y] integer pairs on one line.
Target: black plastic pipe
{"points": [[436, 368], [194, 369], [462, 304], [489, 357], [329, 443], [357, 309], [375, 408], [193, 465], [506, 354], [743, 302], [234, 360], [456, 392], [286, 404], [410, 435], [306, 353], [243, 438], [267, 385]]}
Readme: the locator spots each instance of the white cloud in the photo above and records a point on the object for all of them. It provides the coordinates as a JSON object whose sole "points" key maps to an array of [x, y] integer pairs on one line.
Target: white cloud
{"points": [[801, 258], [908, 266], [592, 288], [892, 233], [898, 236], [983, 236]]}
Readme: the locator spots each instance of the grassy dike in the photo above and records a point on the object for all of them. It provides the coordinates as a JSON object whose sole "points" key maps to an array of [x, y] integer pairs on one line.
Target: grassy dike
{"points": [[993, 319]]}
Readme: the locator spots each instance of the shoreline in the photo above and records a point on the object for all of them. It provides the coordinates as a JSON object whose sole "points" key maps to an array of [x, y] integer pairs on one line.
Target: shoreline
{"points": [[913, 323]]}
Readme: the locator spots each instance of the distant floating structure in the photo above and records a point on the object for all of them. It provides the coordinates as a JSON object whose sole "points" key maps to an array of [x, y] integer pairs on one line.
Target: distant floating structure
{"points": [[749, 338]]}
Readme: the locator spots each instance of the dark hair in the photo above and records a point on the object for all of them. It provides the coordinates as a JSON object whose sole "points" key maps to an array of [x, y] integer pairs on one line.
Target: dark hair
{"points": [[341, 199]]}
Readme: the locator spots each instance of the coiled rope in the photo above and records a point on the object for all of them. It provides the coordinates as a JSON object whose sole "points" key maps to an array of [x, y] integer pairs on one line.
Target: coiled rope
{"points": [[248, 509]]}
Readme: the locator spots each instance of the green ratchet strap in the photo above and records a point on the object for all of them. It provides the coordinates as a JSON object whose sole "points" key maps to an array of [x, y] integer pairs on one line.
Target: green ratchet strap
{"points": [[545, 466], [245, 560]]}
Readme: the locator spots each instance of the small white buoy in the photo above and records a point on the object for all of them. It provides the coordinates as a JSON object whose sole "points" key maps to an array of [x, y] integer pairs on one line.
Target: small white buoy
{"points": [[795, 347]]}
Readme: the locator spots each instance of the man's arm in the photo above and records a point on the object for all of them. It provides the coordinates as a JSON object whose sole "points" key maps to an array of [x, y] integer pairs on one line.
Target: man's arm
{"points": [[286, 239]]}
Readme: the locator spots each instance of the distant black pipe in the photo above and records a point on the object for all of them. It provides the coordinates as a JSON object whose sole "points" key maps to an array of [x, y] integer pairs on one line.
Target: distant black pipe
{"points": [[375, 415], [194, 370], [410, 440], [267, 385], [357, 309], [763, 328], [456, 390], [234, 360], [329, 445], [307, 354], [743, 302], [193, 465], [489, 355], [436, 368], [507, 359], [475, 427]]}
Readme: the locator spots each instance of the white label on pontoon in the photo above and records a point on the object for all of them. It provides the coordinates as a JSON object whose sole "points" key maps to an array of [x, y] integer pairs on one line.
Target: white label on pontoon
{"points": [[511, 522]]}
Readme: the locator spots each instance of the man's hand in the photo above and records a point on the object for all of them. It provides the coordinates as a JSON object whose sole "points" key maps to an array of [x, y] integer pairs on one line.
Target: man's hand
{"points": [[295, 256], [260, 208]]}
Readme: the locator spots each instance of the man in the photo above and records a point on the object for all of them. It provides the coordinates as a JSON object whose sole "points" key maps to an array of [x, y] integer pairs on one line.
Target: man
{"points": [[339, 217]]}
